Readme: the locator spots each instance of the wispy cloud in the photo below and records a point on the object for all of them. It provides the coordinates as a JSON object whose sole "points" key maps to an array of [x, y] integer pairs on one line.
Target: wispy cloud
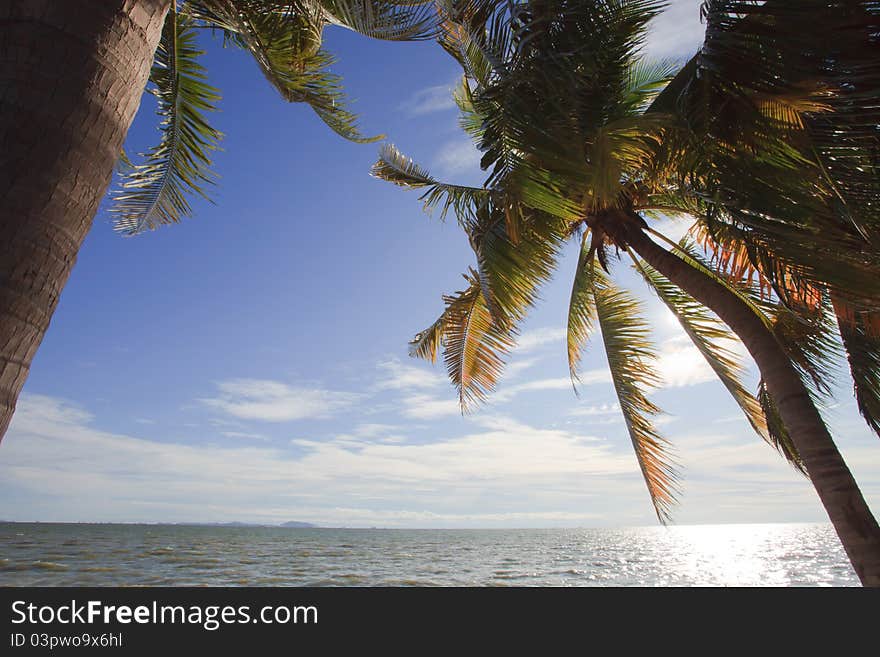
{"points": [[426, 407], [596, 410], [531, 340], [273, 401], [674, 227], [244, 434], [53, 449], [65, 468], [589, 377], [395, 375], [429, 100], [458, 157]]}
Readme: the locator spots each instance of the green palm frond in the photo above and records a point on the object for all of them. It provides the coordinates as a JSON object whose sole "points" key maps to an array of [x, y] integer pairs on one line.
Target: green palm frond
{"points": [[688, 252], [517, 249], [155, 193], [783, 145], [861, 340], [285, 40], [776, 431], [519, 55], [645, 80], [468, 118], [389, 20], [809, 338], [581, 308], [474, 345], [630, 359], [708, 334], [394, 167]]}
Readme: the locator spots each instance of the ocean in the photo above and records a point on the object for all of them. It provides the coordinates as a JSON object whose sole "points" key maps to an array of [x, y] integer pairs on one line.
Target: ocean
{"points": [[46, 554]]}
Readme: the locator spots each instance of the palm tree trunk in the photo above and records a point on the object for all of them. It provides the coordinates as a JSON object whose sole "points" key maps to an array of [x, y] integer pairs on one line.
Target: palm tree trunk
{"points": [[838, 491], [71, 79]]}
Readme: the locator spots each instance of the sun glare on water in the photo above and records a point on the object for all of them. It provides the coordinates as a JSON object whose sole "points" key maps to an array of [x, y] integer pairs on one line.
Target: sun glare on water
{"points": [[738, 555]]}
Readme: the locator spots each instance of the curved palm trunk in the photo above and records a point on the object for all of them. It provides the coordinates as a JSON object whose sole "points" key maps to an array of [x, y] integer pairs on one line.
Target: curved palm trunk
{"points": [[838, 491], [71, 79]]}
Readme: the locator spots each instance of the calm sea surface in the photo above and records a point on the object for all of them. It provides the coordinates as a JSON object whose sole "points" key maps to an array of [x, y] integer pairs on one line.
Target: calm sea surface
{"points": [[177, 555]]}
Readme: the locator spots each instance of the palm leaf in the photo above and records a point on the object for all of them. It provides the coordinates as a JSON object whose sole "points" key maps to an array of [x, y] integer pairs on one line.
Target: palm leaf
{"points": [[581, 308], [394, 167], [630, 357], [517, 249], [707, 332], [155, 193], [474, 346], [383, 19], [861, 341], [776, 431], [810, 340], [284, 39]]}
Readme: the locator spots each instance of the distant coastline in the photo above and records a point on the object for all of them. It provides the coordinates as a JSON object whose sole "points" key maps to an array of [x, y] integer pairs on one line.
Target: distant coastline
{"points": [[288, 524]]}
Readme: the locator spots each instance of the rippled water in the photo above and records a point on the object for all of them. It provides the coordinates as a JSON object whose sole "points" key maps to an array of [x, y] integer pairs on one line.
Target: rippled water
{"points": [[172, 555]]}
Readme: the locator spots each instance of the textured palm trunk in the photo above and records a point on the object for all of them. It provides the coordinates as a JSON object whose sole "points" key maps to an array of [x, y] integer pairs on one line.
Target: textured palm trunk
{"points": [[838, 491], [71, 78]]}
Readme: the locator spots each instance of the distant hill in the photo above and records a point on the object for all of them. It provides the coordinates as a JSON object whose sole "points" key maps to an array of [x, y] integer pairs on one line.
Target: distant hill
{"points": [[236, 523]]}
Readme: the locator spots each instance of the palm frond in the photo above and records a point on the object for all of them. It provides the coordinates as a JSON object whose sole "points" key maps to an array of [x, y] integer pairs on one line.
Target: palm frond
{"points": [[474, 346], [517, 249], [389, 20], [581, 308], [861, 340], [284, 39], [645, 80], [155, 192], [425, 344], [687, 251], [776, 432], [783, 142], [630, 358], [809, 338], [707, 333], [394, 167]]}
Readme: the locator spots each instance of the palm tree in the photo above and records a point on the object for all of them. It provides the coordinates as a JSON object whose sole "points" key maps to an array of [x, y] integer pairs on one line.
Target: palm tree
{"points": [[72, 76], [555, 95], [812, 66]]}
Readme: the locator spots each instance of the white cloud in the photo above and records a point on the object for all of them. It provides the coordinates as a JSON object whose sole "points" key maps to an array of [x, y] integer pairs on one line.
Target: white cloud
{"points": [[589, 377], [273, 401], [458, 157], [426, 407], [677, 32], [506, 393], [496, 471], [517, 367], [674, 228], [53, 453], [398, 376], [244, 434], [429, 100], [596, 410], [535, 338]]}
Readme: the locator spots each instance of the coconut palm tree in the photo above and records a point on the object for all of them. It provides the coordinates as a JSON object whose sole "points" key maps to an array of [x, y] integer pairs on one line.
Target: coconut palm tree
{"points": [[812, 67], [73, 74], [555, 95]]}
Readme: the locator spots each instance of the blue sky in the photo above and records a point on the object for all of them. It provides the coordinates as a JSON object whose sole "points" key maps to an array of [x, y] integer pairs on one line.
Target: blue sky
{"points": [[251, 362]]}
